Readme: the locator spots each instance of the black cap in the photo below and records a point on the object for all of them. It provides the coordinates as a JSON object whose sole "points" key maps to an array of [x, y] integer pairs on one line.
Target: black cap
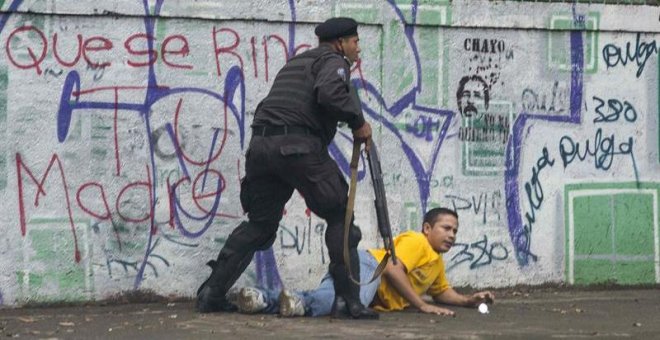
{"points": [[334, 28]]}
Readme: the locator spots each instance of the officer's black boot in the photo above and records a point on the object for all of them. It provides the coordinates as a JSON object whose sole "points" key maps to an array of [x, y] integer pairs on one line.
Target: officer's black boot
{"points": [[234, 257], [347, 293], [211, 298], [211, 294]]}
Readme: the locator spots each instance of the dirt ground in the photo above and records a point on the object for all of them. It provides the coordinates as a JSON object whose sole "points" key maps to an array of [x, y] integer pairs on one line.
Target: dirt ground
{"points": [[517, 314]]}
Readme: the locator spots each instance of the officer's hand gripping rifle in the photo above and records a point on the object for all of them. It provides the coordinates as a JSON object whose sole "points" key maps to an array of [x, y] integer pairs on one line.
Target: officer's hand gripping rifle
{"points": [[382, 213]]}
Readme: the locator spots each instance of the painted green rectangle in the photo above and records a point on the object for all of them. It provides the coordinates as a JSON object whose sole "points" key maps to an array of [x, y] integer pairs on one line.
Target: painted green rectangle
{"points": [[429, 12], [594, 271], [634, 272], [49, 270], [53, 274], [593, 225], [434, 15], [486, 157], [633, 218], [429, 45], [559, 51], [363, 14], [619, 272]]}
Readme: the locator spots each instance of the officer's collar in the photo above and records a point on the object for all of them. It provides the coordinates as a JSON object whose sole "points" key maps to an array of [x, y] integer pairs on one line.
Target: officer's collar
{"points": [[328, 47]]}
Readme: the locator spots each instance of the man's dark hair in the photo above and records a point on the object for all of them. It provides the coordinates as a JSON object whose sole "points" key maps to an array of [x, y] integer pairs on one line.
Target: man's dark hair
{"points": [[461, 87], [432, 215]]}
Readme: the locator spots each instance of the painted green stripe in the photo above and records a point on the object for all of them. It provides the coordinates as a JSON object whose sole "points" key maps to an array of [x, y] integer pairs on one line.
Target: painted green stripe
{"points": [[616, 257]]}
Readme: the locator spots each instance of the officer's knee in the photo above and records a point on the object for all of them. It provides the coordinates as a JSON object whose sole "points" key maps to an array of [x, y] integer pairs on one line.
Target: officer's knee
{"points": [[268, 242], [334, 217], [267, 234], [252, 235]]}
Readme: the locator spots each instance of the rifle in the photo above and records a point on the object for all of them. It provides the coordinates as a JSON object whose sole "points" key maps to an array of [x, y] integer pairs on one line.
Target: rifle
{"points": [[382, 213]]}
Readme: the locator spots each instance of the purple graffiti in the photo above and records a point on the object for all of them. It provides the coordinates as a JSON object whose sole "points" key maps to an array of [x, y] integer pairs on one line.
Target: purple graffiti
{"points": [[5, 16], [177, 147], [520, 233], [408, 100], [267, 273], [70, 101]]}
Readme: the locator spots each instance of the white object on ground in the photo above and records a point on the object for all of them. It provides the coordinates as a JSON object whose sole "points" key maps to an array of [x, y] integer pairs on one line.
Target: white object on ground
{"points": [[483, 308]]}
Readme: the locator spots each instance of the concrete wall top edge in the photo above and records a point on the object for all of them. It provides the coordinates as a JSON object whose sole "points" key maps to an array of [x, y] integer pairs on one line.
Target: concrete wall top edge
{"points": [[460, 13]]}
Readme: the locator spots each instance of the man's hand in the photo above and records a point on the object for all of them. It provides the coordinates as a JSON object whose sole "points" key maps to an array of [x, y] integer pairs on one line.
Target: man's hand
{"points": [[363, 135], [481, 297], [433, 309]]}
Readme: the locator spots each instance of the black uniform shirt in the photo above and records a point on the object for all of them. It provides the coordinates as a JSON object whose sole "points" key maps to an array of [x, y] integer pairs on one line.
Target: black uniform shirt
{"points": [[312, 90]]}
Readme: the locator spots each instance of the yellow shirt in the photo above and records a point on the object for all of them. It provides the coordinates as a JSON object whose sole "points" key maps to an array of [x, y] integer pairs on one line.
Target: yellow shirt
{"points": [[426, 270]]}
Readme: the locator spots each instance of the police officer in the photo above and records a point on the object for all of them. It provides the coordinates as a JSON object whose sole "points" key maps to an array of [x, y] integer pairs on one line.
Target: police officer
{"points": [[291, 131]]}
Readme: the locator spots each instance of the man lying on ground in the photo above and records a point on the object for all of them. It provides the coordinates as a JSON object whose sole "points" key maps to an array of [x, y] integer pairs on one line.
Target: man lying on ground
{"points": [[419, 271]]}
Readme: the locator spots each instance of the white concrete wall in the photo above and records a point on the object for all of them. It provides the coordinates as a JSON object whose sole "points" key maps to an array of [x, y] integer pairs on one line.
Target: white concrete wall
{"points": [[98, 133]]}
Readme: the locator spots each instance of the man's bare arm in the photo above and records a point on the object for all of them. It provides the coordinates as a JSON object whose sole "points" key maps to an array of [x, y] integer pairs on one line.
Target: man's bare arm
{"points": [[452, 297], [396, 274]]}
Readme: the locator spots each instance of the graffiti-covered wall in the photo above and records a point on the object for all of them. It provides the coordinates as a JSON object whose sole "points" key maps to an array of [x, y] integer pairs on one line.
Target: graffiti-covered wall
{"points": [[124, 124]]}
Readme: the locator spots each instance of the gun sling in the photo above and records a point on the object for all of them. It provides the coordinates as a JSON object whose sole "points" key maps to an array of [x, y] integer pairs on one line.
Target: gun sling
{"points": [[381, 211]]}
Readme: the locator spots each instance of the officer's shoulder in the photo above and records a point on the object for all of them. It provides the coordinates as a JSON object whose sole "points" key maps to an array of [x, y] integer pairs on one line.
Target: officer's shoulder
{"points": [[332, 58], [330, 55], [319, 55]]}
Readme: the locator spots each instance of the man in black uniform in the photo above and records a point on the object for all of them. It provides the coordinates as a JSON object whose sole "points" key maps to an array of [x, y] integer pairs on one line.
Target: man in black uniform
{"points": [[291, 130]]}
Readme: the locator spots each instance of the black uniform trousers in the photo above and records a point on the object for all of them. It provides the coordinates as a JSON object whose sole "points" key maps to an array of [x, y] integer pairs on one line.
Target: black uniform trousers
{"points": [[275, 166]]}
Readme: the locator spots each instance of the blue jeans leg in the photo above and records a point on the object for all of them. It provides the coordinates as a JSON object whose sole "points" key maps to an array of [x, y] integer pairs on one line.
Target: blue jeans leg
{"points": [[319, 301]]}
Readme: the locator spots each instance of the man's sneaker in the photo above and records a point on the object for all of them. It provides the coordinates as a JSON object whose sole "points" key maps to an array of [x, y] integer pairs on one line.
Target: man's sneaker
{"points": [[232, 295], [251, 300], [291, 304]]}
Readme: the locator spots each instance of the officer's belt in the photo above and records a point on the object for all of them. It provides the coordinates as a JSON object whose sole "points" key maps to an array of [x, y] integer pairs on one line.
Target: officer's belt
{"points": [[279, 130]]}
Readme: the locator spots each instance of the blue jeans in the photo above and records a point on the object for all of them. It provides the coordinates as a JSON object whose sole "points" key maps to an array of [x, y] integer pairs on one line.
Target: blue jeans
{"points": [[319, 301]]}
